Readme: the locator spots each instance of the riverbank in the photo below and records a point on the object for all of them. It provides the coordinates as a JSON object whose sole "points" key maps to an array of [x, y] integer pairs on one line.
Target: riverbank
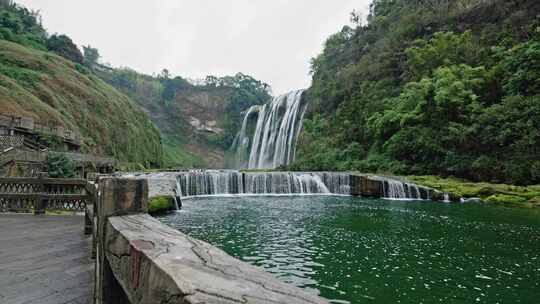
{"points": [[510, 195]]}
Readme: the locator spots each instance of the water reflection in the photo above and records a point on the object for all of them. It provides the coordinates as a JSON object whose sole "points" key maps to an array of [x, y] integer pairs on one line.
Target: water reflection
{"points": [[364, 251]]}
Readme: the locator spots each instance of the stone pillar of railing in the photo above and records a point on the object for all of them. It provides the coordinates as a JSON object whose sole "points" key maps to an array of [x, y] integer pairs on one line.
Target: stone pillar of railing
{"points": [[41, 202], [118, 196]]}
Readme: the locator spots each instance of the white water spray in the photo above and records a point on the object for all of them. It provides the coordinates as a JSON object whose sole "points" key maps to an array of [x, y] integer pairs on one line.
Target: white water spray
{"points": [[398, 190], [273, 142], [229, 182]]}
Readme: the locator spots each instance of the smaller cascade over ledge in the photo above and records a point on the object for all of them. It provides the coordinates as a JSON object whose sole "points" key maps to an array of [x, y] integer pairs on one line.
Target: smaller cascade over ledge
{"points": [[396, 189], [231, 182]]}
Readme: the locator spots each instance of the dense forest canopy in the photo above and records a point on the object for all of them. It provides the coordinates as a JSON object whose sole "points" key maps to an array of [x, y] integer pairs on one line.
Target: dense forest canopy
{"points": [[430, 87]]}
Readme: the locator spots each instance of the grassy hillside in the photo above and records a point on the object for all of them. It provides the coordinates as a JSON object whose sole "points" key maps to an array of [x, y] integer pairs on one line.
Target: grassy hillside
{"points": [[430, 88], [54, 90]]}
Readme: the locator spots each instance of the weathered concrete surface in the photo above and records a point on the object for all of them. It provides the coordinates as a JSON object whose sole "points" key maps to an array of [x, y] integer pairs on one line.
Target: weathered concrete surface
{"points": [[121, 196], [157, 264], [118, 196], [159, 183], [44, 260]]}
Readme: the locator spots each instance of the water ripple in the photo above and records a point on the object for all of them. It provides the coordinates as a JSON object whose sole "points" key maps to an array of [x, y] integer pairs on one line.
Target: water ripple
{"points": [[372, 251]]}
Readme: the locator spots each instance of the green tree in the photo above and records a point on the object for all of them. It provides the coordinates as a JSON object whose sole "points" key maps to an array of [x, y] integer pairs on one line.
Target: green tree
{"points": [[21, 25], [172, 86], [444, 49], [521, 66], [164, 74], [91, 56], [64, 46], [60, 166]]}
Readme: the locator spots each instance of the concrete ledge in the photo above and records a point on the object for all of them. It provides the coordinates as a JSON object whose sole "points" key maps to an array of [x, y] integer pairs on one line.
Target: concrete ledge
{"points": [[365, 185], [157, 264]]}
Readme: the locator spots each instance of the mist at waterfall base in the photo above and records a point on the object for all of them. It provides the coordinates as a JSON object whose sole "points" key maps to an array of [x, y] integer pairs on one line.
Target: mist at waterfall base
{"points": [[358, 250], [267, 138]]}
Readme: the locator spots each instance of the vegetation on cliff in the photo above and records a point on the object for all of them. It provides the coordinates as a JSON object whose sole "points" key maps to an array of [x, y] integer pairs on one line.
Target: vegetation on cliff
{"points": [[198, 122], [44, 78], [430, 87]]}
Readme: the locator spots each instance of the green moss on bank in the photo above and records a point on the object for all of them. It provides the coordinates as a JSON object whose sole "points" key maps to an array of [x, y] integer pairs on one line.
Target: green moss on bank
{"points": [[492, 193], [160, 204]]}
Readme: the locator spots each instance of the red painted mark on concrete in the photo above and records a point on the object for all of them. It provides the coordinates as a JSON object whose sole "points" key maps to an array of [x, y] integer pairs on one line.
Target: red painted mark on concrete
{"points": [[135, 251]]}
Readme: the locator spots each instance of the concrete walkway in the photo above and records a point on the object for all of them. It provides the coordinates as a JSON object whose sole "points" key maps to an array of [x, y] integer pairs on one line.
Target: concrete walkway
{"points": [[44, 259]]}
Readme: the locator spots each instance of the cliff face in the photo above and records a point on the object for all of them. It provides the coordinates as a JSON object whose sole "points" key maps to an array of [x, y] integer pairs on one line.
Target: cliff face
{"points": [[191, 119], [191, 125], [198, 123], [56, 91]]}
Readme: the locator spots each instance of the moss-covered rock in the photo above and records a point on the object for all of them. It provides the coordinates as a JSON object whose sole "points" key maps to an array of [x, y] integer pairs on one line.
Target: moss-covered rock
{"points": [[492, 193], [160, 204], [503, 198], [455, 197], [535, 201]]}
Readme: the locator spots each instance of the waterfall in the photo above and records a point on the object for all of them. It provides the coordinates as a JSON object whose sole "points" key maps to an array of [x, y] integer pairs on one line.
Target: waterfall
{"points": [[242, 142], [273, 140], [337, 183], [400, 190], [211, 182], [284, 183], [446, 198], [230, 182], [176, 204]]}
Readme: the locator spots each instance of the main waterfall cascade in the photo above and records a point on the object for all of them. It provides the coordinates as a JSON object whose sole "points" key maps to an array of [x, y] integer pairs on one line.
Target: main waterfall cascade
{"points": [[272, 141], [229, 182]]}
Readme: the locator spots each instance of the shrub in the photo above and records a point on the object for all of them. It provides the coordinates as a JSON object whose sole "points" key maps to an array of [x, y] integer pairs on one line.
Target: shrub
{"points": [[160, 204], [503, 198], [60, 166], [64, 46]]}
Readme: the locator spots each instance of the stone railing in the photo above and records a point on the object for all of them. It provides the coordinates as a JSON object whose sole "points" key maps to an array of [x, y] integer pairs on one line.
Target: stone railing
{"points": [[9, 141], [38, 195], [141, 260], [41, 156], [99, 161], [23, 156]]}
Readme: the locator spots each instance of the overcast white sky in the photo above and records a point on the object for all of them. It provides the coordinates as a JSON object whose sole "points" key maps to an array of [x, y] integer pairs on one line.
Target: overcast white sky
{"points": [[272, 40]]}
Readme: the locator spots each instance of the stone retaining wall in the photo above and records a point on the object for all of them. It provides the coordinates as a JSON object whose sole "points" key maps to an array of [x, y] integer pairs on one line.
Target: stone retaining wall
{"points": [[140, 260]]}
